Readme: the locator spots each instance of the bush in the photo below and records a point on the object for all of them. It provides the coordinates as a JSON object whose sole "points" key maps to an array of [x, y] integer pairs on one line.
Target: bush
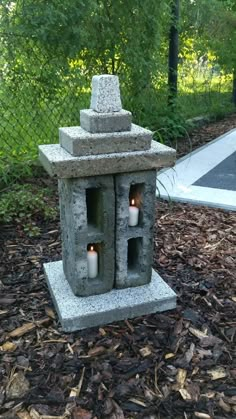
{"points": [[24, 204]]}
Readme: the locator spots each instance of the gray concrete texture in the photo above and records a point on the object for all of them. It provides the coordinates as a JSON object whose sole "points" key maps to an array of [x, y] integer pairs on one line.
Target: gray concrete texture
{"points": [[76, 313], [87, 209], [134, 245], [58, 162], [95, 122], [101, 167], [79, 142], [105, 94]]}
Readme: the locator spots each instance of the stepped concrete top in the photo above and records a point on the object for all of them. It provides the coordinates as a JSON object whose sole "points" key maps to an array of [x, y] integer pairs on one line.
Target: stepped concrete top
{"points": [[106, 142], [58, 162], [105, 94]]}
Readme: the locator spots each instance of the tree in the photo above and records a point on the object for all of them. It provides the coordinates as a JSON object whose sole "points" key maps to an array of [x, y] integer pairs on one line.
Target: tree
{"points": [[224, 39], [173, 52], [234, 87], [213, 26], [96, 36]]}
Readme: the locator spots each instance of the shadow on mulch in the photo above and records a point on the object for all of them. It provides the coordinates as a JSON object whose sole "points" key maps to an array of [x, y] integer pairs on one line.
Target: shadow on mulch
{"points": [[177, 364]]}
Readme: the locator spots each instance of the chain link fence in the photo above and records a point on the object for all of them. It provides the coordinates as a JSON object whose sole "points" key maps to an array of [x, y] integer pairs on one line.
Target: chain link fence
{"points": [[37, 96], [33, 105]]}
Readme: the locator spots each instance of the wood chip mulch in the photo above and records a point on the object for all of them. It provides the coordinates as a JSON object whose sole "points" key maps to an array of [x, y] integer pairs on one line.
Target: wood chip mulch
{"points": [[201, 136], [177, 364]]}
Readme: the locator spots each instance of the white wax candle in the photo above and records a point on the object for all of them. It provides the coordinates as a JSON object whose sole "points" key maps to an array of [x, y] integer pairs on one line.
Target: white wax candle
{"points": [[133, 214], [92, 258]]}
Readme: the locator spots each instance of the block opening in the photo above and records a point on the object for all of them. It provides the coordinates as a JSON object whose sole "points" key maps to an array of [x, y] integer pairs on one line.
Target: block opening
{"points": [[136, 194], [94, 206], [134, 255]]}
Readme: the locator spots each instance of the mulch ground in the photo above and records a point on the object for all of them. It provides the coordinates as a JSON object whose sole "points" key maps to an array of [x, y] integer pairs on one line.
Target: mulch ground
{"points": [[199, 137], [177, 364]]}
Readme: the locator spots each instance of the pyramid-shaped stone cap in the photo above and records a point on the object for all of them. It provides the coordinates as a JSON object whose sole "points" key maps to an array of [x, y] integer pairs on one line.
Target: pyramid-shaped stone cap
{"points": [[106, 142], [105, 94]]}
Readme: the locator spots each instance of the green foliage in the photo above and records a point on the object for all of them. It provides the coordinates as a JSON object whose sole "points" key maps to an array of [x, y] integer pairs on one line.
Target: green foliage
{"points": [[49, 50], [101, 36], [212, 24], [173, 127], [52, 49], [23, 204], [27, 121], [206, 103]]}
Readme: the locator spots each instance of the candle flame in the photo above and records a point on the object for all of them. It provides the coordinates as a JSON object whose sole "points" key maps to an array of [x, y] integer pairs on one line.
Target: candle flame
{"points": [[132, 201], [91, 248]]}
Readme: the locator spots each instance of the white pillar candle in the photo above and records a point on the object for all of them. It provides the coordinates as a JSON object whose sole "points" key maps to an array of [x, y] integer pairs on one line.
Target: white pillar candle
{"points": [[92, 258], [133, 214]]}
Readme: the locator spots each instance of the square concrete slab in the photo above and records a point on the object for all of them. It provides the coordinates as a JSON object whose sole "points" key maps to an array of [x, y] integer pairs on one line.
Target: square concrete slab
{"points": [[58, 162], [79, 142], [207, 176], [95, 122], [76, 313]]}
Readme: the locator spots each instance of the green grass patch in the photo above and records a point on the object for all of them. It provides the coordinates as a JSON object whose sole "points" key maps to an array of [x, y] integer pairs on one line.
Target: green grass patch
{"points": [[209, 103]]}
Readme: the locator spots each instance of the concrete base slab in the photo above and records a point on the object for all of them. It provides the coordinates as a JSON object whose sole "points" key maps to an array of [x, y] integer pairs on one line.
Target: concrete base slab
{"points": [[76, 313]]}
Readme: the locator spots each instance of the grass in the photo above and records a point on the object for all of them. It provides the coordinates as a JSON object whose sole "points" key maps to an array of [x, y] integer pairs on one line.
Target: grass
{"points": [[209, 103], [204, 93]]}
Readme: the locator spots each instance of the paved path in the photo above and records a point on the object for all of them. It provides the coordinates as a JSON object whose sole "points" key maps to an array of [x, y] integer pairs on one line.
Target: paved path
{"points": [[207, 176]]}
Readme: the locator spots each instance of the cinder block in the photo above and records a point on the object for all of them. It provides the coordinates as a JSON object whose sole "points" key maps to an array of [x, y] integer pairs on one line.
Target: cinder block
{"points": [[105, 94], [88, 217], [95, 122], [79, 142], [77, 313], [134, 245]]}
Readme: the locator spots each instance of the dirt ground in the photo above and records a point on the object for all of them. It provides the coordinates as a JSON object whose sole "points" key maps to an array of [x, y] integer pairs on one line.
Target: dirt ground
{"points": [[178, 364]]}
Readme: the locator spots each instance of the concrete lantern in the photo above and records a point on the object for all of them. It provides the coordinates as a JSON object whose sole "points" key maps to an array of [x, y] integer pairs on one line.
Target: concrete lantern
{"points": [[107, 186]]}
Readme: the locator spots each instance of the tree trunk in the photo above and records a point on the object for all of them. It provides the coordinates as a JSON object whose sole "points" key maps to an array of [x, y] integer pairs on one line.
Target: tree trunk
{"points": [[173, 53], [234, 87]]}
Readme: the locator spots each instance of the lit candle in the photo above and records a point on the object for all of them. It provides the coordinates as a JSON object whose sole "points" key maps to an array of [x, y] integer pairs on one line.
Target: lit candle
{"points": [[92, 258], [133, 214]]}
